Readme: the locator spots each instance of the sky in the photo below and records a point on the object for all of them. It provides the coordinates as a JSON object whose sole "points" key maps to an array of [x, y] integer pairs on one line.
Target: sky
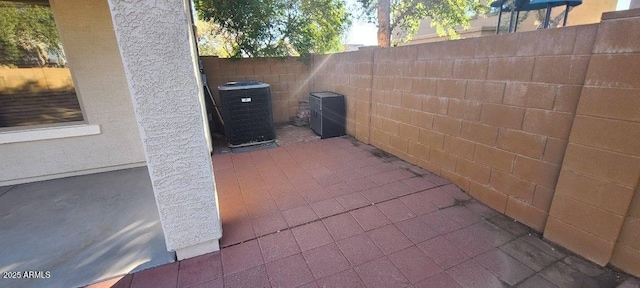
{"points": [[361, 32]]}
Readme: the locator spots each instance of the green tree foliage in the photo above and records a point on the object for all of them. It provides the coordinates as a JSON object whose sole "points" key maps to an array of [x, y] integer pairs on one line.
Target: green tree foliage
{"points": [[277, 28], [405, 15], [27, 33]]}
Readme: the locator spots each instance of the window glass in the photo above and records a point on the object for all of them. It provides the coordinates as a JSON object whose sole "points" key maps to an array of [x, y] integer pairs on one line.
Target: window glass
{"points": [[35, 82]]}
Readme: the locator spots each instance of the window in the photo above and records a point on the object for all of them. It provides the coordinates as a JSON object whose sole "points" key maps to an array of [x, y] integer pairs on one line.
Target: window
{"points": [[36, 88]]}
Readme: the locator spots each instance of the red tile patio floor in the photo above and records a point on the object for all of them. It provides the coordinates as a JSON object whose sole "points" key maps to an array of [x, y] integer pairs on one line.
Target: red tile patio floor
{"points": [[338, 213]]}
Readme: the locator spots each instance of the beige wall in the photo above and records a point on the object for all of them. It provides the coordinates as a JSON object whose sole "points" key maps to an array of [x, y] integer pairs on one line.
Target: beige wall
{"points": [[289, 79], [587, 13], [90, 45], [592, 212]]}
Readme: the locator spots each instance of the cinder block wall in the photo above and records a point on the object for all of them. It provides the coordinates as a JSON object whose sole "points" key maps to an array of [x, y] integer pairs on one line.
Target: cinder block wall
{"points": [[542, 126], [592, 212], [350, 74], [496, 114], [492, 114], [289, 79]]}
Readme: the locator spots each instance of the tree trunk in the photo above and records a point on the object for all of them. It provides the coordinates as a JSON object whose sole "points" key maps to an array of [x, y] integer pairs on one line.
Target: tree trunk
{"points": [[384, 23]]}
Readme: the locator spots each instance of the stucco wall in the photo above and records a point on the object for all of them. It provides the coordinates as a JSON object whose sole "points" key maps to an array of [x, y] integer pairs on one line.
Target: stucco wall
{"points": [[90, 45], [167, 99]]}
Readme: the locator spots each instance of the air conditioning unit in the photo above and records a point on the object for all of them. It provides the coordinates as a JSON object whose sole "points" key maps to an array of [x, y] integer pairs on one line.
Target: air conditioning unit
{"points": [[247, 113]]}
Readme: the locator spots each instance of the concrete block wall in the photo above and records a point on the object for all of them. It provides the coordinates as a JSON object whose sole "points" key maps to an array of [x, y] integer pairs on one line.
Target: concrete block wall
{"points": [[492, 114], [289, 79], [542, 126], [349, 74], [592, 211]]}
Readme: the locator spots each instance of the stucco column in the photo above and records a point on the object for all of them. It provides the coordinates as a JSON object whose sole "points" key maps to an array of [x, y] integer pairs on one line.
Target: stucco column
{"points": [[156, 44]]}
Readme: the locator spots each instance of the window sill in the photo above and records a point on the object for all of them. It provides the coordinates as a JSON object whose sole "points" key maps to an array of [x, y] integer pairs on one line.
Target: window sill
{"points": [[49, 133]]}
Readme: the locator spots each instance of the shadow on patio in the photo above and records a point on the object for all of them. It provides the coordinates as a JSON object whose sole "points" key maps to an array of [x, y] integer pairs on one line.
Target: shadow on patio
{"points": [[339, 213], [81, 229]]}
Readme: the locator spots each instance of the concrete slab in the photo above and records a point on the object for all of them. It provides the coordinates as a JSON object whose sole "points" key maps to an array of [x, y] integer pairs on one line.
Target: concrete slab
{"points": [[81, 229]]}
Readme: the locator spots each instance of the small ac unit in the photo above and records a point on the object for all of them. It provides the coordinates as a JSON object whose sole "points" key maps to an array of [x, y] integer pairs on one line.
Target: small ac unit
{"points": [[247, 113]]}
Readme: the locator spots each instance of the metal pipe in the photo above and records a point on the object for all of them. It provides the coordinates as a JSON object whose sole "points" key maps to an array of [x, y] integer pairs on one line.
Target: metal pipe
{"points": [[548, 16], [515, 27], [499, 19], [566, 15]]}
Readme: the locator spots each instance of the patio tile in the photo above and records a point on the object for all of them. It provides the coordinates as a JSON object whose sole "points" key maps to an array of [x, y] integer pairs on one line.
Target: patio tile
{"points": [[370, 218], [275, 180], [462, 215], [339, 189], [480, 209], [376, 194], [319, 171], [327, 208], [349, 174], [389, 177], [389, 239], [268, 223], [561, 275], [583, 266], [439, 197], [440, 222], [491, 233], [291, 271], [199, 269], [504, 266], [544, 246], [304, 184], [440, 280], [536, 282], [418, 204], [278, 245], [443, 252], [325, 260], [395, 210], [381, 273], [236, 232], [348, 278], [299, 215], [312, 284], [528, 254], [398, 189], [472, 274], [414, 264], [217, 283], [512, 226], [361, 184], [370, 170], [256, 195], [312, 235], [419, 183], [240, 257], [162, 276], [258, 207], [290, 201], [329, 179], [359, 249], [456, 192], [416, 230], [342, 226], [316, 194], [469, 242], [353, 201]]}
